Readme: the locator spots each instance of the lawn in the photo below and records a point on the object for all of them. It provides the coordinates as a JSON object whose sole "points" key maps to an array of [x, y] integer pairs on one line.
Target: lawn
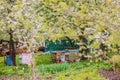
{"points": [[46, 69], [12, 70]]}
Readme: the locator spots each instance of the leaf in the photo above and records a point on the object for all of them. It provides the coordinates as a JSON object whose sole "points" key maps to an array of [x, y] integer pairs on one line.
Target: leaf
{"points": [[63, 5], [48, 1], [11, 26], [1, 23], [77, 22], [108, 1], [44, 27], [95, 45], [39, 0], [83, 8], [16, 8], [60, 19], [18, 2], [27, 24]]}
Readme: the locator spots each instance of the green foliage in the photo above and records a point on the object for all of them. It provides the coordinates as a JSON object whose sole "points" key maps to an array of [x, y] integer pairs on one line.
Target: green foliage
{"points": [[85, 74], [91, 64], [42, 59], [17, 17], [114, 37], [79, 65], [114, 61], [77, 70], [67, 71], [101, 65], [53, 68], [13, 70], [19, 70], [68, 17], [83, 70]]}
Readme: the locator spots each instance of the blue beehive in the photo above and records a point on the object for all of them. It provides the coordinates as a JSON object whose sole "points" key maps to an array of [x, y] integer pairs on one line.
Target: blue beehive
{"points": [[8, 61]]}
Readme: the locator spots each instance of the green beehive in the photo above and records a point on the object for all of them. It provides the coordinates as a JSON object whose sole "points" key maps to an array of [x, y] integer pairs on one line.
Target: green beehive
{"points": [[59, 45]]}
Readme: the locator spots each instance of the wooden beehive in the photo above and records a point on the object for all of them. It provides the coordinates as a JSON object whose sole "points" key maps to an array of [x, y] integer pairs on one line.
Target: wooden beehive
{"points": [[67, 57], [72, 57], [63, 57]]}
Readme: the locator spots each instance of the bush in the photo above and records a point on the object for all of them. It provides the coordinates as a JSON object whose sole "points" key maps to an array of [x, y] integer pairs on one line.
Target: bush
{"points": [[115, 61]]}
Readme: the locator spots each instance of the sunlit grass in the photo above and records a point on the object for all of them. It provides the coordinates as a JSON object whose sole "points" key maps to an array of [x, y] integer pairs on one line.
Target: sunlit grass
{"points": [[46, 68]]}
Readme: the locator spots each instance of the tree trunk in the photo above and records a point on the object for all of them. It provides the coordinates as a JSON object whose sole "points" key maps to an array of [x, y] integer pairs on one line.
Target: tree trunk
{"points": [[12, 50]]}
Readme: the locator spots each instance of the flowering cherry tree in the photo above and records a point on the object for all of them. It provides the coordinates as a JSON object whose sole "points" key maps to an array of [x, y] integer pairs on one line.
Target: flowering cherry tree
{"points": [[81, 19], [18, 22]]}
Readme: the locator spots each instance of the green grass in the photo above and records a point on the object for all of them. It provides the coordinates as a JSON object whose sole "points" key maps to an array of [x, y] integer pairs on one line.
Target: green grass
{"points": [[13, 70], [43, 59], [84, 74], [73, 71], [53, 68], [2, 62], [19, 70], [62, 71]]}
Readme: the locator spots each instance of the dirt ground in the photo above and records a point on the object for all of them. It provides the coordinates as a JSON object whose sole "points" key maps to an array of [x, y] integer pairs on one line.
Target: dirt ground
{"points": [[109, 74], [16, 77]]}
